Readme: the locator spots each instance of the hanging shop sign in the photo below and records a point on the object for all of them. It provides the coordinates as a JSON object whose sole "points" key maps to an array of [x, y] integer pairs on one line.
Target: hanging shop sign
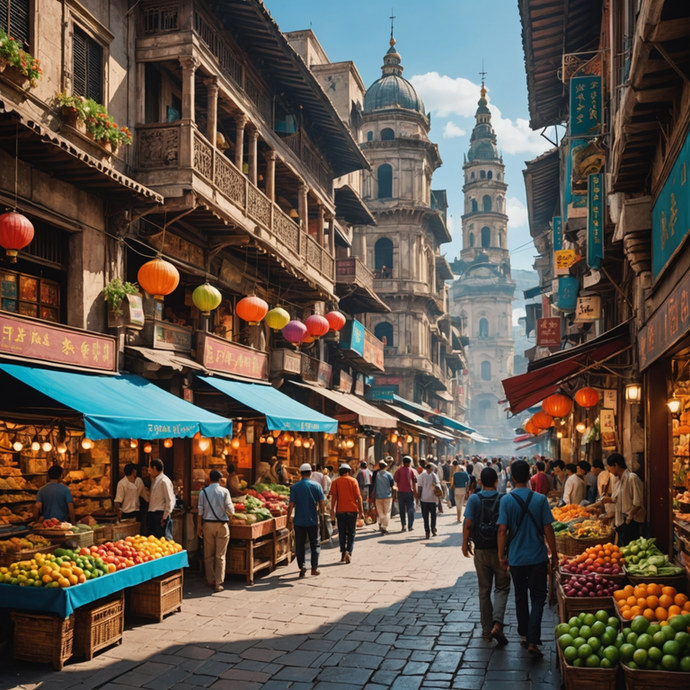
{"points": [[359, 341], [671, 213], [566, 295], [595, 220], [563, 259], [607, 429], [344, 382], [169, 336], [316, 371], [23, 337], [610, 399], [549, 332], [373, 349], [585, 106], [575, 197], [588, 309], [179, 248], [359, 384], [557, 233], [284, 361], [224, 356]]}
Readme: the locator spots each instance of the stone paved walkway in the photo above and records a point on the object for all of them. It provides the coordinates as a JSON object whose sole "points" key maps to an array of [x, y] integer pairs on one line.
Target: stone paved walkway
{"points": [[404, 615]]}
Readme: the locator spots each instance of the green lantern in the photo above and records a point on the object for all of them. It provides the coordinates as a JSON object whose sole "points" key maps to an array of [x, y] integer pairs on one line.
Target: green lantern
{"points": [[206, 298]]}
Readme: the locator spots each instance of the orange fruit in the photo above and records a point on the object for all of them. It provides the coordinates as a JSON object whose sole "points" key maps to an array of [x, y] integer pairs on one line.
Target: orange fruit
{"points": [[669, 591], [665, 600], [628, 589], [663, 623], [652, 601], [674, 610], [619, 594], [686, 607], [654, 589], [631, 601], [627, 615], [642, 602], [680, 599], [661, 613], [649, 614], [637, 611]]}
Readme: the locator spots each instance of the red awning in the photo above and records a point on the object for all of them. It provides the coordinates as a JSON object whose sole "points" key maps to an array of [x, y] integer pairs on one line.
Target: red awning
{"points": [[521, 438], [545, 375]]}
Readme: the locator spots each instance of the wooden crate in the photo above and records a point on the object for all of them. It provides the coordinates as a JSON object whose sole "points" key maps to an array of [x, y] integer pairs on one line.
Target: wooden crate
{"points": [[583, 678], [248, 557], [637, 679], [43, 638], [569, 546], [255, 531], [104, 533], [122, 530], [7, 558], [680, 582], [158, 597], [99, 625], [83, 539], [572, 606]]}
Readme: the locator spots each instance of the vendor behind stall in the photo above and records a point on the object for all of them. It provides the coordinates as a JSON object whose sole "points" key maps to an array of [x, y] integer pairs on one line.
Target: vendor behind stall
{"points": [[162, 502], [54, 500], [130, 489]]}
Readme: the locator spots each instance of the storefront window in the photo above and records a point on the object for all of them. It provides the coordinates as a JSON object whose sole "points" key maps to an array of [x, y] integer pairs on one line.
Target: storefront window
{"points": [[30, 296]]}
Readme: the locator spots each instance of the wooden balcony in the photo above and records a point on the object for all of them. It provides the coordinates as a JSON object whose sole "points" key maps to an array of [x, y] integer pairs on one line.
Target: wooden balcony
{"points": [[352, 270], [355, 287]]}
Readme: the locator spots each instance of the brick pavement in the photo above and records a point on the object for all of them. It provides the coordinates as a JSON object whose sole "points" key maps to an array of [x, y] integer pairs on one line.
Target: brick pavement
{"points": [[404, 615]]}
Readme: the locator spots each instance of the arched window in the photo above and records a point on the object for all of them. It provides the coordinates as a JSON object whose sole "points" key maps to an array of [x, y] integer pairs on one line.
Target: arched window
{"points": [[370, 136], [387, 134], [490, 174], [471, 176], [486, 370], [483, 328], [385, 175], [384, 332], [486, 201], [383, 256], [484, 413], [486, 236], [471, 239], [475, 208], [498, 176], [482, 174], [500, 238]]}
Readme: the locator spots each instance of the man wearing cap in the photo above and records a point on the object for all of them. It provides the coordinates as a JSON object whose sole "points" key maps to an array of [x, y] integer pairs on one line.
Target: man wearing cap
{"points": [[215, 505], [346, 506], [382, 485], [406, 480], [307, 503]]}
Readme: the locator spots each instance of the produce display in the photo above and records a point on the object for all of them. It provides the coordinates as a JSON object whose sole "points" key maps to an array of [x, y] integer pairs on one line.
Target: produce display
{"points": [[684, 497], [261, 502], [591, 640], [17, 484], [589, 529], [569, 512], [655, 646], [30, 542], [606, 559], [16, 498], [651, 601], [643, 559], [16, 516], [587, 586]]}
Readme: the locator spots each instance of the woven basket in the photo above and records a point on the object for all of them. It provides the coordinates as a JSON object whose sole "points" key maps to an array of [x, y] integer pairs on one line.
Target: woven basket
{"points": [[122, 530], [679, 582], [7, 558], [43, 638], [158, 597], [83, 539], [583, 678], [572, 606], [99, 625], [617, 579], [637, 679]]}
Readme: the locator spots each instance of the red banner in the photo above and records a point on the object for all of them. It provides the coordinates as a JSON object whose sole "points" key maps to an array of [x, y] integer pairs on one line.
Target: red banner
{"points": [[24, 337], [549, 332], [373, 350], [217, 354]]}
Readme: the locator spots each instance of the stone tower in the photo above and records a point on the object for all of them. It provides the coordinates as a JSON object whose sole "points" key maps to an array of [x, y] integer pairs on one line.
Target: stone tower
{"points": [[482, 296]]}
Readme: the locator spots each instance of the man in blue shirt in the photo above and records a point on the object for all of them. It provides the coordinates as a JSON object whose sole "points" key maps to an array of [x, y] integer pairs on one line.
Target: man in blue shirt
{"points": [[524, 522], [307, 502], [382, 485], [54, 500]]}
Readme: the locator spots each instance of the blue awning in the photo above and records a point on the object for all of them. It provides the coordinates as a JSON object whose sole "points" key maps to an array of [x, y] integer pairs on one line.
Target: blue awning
{"points": [[533, 292], [282, 412], [122, 406], [453, 424]]}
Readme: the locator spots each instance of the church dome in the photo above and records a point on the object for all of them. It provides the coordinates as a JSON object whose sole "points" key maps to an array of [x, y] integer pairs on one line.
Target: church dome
{"points": [[392, 90], [483, 139]]}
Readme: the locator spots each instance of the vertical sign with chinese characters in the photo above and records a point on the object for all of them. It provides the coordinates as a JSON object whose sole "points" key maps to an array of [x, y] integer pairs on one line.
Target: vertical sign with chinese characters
{"points": [[607, 429], [557, 233], [549, 332], [585, 106], [595, 220]]}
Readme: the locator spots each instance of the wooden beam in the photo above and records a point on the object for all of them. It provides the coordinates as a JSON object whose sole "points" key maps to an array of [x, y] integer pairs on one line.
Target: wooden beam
{"points": [[671, 30], [663, 95]]}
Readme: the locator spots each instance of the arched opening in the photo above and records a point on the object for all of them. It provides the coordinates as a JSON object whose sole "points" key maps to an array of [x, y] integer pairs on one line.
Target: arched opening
{"points": [[498, 176], [482, 174], [385, 177], [475, 208], [490, 174], [486, 236], [500, 238], [370, 136], [384, 332], [484, 412], [383, 257], [483, 328], [471, 176], [486, 202], [486, 370], [387, 134], [471, 239]]}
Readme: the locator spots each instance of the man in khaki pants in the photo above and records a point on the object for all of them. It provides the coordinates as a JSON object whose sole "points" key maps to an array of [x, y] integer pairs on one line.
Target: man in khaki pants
{"points": [[214, 507]]}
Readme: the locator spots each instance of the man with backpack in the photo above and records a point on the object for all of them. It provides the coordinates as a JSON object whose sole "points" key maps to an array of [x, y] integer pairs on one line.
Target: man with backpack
{"points": [[481, 530], [524, 522]]}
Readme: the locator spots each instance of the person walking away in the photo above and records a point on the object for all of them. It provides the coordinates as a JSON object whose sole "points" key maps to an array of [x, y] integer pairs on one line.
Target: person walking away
{"points": [[382, 488], [539, 483], [628, 498], [215, 505], [590, 481], [481, 530], [346, 505], [472, 486], [54, 500], [430, 489], [503, 479], [458, 485], [307, 503], [405, 479], [317, 475], [159, 517], [364, 480], [130, 490], [443, 495], [574, 487], [524, 522]]}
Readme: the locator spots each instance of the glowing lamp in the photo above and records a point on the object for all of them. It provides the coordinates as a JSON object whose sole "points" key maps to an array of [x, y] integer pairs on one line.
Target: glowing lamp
{"points": [[277, 318], [335, 320], [17, 445], [46, 447], [87, 443], [206, 298], [204, 444], [62, 448], [270, 440], [158, 277], [580, 427], [251, 309], [16, 232], [298, 443], [235, 443], [633, 393], [168, 443], [673, 405], [133, 443], [147, 448]]}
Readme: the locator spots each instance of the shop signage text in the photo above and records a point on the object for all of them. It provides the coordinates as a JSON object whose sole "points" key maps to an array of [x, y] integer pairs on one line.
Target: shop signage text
{"points": [[373, 349], [549, 332], [595, 220], [563, 260], [168, 336], [557, 233], [286, 361], [316, 371], [217, 354], [585, 105], [345, 382], [588, 309], [388, 381], [566, 299], [36, 340], [362, 342]]}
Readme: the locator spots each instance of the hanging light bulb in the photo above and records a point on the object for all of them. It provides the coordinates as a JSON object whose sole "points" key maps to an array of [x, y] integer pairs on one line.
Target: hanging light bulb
{"points": [[270, 440], [408, 438], [262, 439], [35, 445], [133, 443], [62, 448], [168, 443], [17, 445], [580, 427], [235, 443], [298, 443], [350, 443], [46, 446], [673, 404], [394, 437], [559, 434], [204, 444], [86, 443], [147, 448]]}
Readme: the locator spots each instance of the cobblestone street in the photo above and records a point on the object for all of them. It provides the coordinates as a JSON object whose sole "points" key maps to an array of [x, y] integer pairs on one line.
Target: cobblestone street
{"points": [[404, 615]]}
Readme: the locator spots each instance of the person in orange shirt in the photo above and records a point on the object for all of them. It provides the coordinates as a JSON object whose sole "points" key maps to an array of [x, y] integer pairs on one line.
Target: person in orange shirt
{"points": [[346, 506]]}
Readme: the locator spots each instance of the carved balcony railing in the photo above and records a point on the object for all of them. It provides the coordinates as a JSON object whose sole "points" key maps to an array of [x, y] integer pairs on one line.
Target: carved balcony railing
{"points": [[300, 145], [351, 270]]}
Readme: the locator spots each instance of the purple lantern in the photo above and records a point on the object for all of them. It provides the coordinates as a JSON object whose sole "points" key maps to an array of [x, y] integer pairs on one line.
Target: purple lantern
{"points": [[295, 332]]}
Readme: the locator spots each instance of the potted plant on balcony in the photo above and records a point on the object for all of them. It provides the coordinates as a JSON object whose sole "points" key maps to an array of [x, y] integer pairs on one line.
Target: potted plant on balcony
{"points": [[18, 66], [118, 294], [72, 110], [103, 129]]}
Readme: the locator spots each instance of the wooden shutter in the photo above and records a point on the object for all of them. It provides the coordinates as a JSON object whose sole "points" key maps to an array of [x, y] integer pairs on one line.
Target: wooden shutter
{"points": [[4, 14], [79, 63], [87, 67], [15, 19]]}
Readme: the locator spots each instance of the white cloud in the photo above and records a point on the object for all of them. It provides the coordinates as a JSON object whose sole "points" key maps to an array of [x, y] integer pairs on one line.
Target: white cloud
{"points": [[516, 212], [451, 130], [446, 96]]}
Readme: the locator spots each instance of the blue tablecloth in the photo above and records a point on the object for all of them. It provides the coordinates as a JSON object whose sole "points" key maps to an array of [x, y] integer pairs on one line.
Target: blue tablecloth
{"points": [[64, 601]]}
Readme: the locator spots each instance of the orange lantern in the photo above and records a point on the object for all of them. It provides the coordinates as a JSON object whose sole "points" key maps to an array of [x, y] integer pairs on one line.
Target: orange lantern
{"points": [[317, 325], [16, 232], [587, 397], [557, 405], [158, 277], [542, 420], [530, 428], [335, 320], [251, 309]]}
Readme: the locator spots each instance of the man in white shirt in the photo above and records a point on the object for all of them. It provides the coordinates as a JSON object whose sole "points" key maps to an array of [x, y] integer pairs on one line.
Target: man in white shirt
{"points": [[159, 520], [628, 497], [129, 490], [426, 485], [317, 475], [574, 488]]}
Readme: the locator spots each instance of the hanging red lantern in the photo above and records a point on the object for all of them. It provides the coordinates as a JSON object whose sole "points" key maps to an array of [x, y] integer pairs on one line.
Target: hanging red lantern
{"points": [[335, 320], [542, 420], [158, 277], [317, 325], [252, 309], [16, 232], [587, 397], [557, 405], [295, 332]]}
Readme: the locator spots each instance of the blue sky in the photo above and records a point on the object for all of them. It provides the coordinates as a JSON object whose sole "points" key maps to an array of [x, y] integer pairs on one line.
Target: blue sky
{"points": [[442, 44]]}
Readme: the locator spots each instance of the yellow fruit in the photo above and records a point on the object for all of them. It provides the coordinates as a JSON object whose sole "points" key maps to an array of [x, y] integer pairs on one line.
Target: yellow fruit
{"points": [[63, 582]]}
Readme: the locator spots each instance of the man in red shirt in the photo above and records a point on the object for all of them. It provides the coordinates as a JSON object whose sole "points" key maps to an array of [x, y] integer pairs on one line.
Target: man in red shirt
{"points": [[406, 480], [346, 505], [540, 482]]}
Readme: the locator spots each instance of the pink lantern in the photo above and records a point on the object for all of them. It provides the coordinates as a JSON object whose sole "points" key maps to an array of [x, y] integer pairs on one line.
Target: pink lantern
{"points": [[317, 325], [295, 332], [335, 320]]}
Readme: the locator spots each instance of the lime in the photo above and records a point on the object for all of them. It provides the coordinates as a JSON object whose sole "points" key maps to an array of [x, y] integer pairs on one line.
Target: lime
{"points": [[653, 629], [682, 638], [685, 664], [626, 651], [586, 631], [589, 619], [669, 662], [562, 629], [669, 632], [677, 623], [611, 654], [575, 632], [578, 642], [570, 654], [598, 629], [602, 616], [594, 643], [584, 651], [581, 616], [574, 622], [608, 638], [655, 654], [592, 661], [577, 662], [610, 630], [632, 637], [632, 664], [620, 640], [650, 665], [644, 641], [605, 663], [614, 623], [565, 641], [640, 657], [671, 647], [639, 625], [659, 639]]}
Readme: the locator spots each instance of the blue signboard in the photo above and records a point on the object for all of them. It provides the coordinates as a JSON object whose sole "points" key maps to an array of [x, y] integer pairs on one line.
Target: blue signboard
{"points": [[557, 233], [577, 200], [352, 337], [671, 214], [566, 300], [595, 220], [585, 106]]}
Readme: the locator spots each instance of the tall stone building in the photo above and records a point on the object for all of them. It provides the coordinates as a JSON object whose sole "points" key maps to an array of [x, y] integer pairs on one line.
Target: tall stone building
{"points": [[482, 296]]}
